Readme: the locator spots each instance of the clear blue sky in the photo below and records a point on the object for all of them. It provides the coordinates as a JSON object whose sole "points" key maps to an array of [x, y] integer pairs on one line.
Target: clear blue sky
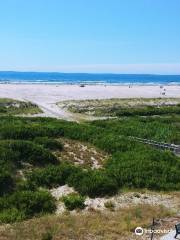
{"points": [[90, 35]]}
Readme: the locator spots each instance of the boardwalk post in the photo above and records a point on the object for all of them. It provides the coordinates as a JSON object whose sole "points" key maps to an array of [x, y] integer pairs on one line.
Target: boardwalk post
{"points": [[152, 229]]}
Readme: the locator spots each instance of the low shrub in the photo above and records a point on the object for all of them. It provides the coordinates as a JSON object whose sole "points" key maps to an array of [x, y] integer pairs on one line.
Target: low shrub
{"points": [[6, 182], [148, 110], [26, 204], [11, 215], [47, 236], [51, 176], [94, 183], [149, 168], [74, 201], [11, 131], [3, 109], [110, 205], [26, 151], [49, 143]]}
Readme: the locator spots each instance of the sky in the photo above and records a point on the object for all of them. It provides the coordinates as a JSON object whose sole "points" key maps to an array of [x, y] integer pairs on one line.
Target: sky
{"points": [[118, 36]]}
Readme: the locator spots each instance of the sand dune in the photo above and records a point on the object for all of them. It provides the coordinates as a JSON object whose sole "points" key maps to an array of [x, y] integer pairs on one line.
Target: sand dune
{"points": [[46, 95]]}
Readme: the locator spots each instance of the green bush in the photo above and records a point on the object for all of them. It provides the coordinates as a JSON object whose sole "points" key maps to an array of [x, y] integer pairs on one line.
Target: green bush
{"points": [[25, 151], [11, 131], [93, 183], [6, 182], [51, 176], [13, 128], [47, 236], [26, 204], [49, 143], [109, 205], [3, 109], [11, 215], [148, 168], [147, 110], [74, 201]]}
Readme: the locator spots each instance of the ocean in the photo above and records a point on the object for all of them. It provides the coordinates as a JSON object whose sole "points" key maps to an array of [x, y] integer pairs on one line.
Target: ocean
{"points": [[87, 78]]}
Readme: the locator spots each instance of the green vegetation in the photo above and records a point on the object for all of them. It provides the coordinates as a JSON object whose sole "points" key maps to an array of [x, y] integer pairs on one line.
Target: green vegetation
{"points": [[86, 182], [109, 205], [148, 168], [28, 163], [123, 107], [51, 176], [49, 143], [146, 111], [25, 204], [163, 129], [20, 152], [47, 236], [74, 201], [15, 107], [6, 182]]}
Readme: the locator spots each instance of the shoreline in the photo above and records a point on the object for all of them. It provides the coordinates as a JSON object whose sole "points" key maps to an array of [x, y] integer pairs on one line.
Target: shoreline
{"points": [[89, 84]]}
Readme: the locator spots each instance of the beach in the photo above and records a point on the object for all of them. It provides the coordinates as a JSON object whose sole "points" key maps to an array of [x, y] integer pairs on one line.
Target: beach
{"points": [[47, 95]]}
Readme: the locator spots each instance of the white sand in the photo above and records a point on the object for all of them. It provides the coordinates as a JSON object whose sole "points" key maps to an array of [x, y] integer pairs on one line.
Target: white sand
{"points": [[46, 95]]}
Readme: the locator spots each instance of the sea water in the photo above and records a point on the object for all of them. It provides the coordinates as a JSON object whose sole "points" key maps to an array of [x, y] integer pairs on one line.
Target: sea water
{"points": [[87, 78]]}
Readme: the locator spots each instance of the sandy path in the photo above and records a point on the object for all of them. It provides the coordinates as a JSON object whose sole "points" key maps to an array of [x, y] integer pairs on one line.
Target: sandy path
{"points": [[46, 96]]}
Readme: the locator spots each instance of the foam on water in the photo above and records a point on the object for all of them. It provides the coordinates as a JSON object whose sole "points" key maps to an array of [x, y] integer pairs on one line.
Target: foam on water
{"points": [[87, 78]]}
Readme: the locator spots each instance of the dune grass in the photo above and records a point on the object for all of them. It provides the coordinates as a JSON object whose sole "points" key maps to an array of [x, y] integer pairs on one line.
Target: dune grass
{"points": [[91, 225], [15, 107], [123, 107]]}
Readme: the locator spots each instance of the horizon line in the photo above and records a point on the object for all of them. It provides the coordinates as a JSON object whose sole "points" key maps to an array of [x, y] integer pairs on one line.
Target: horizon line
{"points": [[90, 73], [124, 68]]}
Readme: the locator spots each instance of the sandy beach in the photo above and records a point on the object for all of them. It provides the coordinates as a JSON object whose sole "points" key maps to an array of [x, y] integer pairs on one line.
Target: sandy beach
{"points": [[46, 96]]}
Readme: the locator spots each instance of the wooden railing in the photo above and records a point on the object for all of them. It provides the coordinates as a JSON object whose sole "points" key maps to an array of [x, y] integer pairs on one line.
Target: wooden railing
{"points": [[172, 147]]}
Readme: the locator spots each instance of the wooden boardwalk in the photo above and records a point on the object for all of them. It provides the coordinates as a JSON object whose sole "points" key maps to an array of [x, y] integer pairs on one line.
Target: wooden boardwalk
{"points": [[172, 147]]}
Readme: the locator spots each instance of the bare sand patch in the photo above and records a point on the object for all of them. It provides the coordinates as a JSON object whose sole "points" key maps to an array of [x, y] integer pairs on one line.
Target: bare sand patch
{"points": [[82, 154]]}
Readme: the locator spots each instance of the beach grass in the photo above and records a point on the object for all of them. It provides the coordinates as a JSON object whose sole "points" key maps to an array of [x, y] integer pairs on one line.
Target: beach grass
{"points": [[116, 107], [90, 225], [15, 107]]}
